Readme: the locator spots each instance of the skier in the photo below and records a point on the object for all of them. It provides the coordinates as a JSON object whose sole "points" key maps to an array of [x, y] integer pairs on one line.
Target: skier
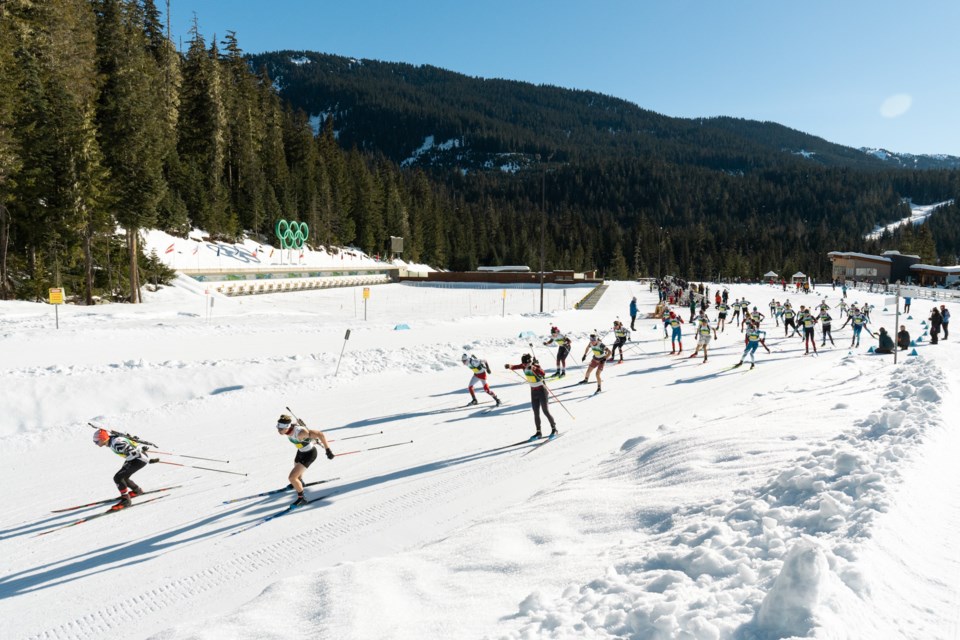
{"points": [[754, 316], [600, 354], [305, 441], [754, 338], [736, 311], [825, 321], [789, 320], [773, 309], [633, 313], [622, 337], [677, 333], [859, 322], [778, 313], [665, 316], [563, 350], [722, 316], [135, 458], [808, 322], [534, 375], [480, 370], [703, 337]]}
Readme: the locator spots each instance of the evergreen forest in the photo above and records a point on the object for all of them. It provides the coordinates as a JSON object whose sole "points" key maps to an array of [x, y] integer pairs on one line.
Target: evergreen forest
{"points": [[107, 129]]}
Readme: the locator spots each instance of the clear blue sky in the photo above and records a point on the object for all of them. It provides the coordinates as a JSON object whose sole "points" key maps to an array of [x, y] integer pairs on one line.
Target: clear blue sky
{"points": [[864, 73]]}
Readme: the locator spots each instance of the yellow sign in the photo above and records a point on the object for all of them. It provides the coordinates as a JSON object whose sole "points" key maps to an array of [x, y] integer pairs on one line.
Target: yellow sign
{"points": [[504, 294], [366, 293], [56, 296]]}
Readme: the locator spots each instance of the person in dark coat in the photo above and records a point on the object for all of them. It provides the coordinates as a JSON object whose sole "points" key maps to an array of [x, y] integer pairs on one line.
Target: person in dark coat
{"points": [[886, 342], [936, 322], [903, 338]]}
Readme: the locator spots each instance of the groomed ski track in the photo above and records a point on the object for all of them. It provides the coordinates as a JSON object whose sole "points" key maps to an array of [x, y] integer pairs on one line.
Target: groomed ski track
{"points": [[174, 560]]}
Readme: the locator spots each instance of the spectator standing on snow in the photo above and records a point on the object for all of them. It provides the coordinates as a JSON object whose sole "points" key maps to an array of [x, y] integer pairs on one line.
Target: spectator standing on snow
{"points": [[936, 321], [945, 318], [633, 314], [906, 304]]}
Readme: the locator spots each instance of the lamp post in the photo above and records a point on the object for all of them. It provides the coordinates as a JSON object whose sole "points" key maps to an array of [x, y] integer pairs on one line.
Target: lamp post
{"points": [[659, 252]]}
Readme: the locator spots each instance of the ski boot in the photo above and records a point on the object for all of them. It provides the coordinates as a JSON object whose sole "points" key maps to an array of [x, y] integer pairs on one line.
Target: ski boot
{"points": [[472, 402], [497, 400], [535, 436]]}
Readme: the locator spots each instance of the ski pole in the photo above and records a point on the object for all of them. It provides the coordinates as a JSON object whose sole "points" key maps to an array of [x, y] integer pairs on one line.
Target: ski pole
{"points": [[181, 455], [386, 446], [345, 338], [190, 466], [365, 435], [558, 401]]}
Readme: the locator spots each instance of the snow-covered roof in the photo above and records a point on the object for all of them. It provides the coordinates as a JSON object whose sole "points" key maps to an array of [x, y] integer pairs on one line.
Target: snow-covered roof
{"points": [[935, 269], [858, 256]]}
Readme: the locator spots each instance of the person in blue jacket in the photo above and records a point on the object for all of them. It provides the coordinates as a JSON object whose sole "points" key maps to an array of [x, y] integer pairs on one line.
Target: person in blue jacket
{"points": [[633, 313]]}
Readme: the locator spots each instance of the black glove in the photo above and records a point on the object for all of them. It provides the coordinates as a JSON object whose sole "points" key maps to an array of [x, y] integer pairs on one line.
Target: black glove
{"points": [[583, 358], [487, 367], [506, 366], [153, 460], [145, 449], [329, 453]]}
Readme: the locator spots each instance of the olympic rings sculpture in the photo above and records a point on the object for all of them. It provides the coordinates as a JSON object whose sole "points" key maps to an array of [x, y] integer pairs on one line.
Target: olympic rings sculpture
{"points": [[292, 234]]}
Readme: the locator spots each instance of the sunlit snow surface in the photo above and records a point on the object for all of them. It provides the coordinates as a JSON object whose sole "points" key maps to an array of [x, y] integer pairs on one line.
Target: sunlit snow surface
{"points": [[814, 496]]}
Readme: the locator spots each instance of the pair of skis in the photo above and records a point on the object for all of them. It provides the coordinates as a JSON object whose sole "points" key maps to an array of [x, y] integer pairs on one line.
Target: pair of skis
{"points": [[117, 506]]}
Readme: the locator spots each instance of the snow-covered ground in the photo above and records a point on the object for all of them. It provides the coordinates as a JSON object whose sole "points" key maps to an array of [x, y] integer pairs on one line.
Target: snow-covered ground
{"points": [[918, 215], [814, 496]]}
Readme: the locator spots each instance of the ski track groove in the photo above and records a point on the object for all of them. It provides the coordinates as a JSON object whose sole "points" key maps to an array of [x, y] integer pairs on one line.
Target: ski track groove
{"points": [[113, 617]]}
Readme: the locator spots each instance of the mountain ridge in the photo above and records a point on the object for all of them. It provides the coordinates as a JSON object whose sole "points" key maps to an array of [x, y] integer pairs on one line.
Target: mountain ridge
{"points": [[394, 107]]}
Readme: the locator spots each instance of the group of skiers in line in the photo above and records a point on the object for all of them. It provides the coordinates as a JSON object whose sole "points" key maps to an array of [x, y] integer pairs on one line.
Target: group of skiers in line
{"points": [[533, 374], [136, 452]]}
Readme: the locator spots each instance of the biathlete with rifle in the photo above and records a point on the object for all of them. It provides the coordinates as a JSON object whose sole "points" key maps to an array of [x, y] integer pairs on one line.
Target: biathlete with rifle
{"points": [[134, 454], [563, 350], [305, 441], [534, 376], [480, 370]]}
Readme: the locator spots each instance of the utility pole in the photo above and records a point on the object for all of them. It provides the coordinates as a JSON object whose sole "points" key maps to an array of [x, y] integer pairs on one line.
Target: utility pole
{"points": [[543, 228]]}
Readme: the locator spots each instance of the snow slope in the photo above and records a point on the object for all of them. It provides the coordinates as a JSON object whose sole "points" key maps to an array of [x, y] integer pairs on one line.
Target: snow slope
{"points": [[918, 215], [811, 497]]}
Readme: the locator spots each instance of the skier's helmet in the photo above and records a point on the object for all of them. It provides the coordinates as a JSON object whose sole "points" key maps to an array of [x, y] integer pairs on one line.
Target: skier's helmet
{"points": [[101, 437], [526, 358], [593, 337], [464, 358], [284, 422], [554, 330]]}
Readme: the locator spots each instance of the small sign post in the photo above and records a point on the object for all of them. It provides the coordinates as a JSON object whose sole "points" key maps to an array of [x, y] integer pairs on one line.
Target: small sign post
{"points": [[503, 304], [56, 299], [366, 296]]}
